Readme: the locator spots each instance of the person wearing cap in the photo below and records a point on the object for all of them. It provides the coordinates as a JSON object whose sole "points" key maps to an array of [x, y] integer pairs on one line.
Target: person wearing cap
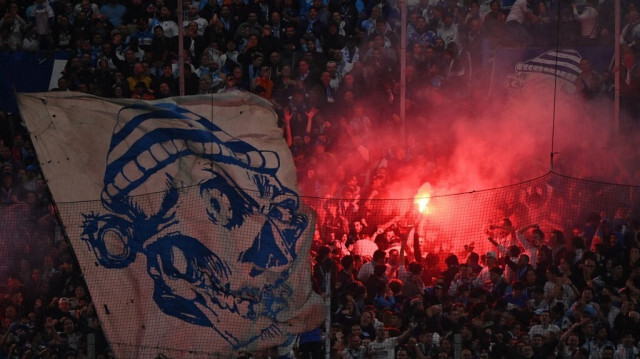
{"points": [[61, 308]]}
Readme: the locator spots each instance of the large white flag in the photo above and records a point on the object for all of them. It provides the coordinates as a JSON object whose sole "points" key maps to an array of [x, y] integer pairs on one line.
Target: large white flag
{"points": [[185, 217]]}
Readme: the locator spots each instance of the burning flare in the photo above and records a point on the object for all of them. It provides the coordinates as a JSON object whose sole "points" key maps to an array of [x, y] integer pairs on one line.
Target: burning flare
{"points": [[422, 197], [422, 203]]}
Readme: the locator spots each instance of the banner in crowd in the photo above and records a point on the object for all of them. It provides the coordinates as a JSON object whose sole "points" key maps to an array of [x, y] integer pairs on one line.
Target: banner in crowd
{"points": [[516, 68], [185, 217], [28, 72]]}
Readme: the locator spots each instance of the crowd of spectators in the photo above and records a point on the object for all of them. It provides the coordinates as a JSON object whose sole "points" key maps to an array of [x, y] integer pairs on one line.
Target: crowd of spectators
{"points": [[45, 306], [336, 52], [331, 70], [532, 295]]}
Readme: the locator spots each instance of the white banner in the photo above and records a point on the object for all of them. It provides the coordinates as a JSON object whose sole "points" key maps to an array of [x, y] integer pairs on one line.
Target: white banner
{"points": [[185, 217]]}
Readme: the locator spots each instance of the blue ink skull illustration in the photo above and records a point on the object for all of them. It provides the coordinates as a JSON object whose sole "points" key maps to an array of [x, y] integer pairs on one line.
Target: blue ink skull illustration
{"points": [[221, 236]]}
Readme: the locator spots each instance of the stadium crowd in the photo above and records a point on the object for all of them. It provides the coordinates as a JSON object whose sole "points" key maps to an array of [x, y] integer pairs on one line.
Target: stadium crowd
{"points": [[335, 52], [45, 306], [331, 70], [530, 296]]}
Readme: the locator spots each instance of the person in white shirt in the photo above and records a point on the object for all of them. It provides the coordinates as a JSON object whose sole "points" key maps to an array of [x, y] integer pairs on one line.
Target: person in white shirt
{"points": [[169, 26], [588, 19], [519, 17], [626, 350], [90, 9], [483, 280], [367, 269], [631, 31], [545, 327], [354, 349], [384, 347], [504, 234], [193, 16]]}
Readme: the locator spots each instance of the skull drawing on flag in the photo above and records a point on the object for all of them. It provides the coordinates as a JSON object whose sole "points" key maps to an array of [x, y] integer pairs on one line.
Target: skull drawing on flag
{"points": [[221, 237]]}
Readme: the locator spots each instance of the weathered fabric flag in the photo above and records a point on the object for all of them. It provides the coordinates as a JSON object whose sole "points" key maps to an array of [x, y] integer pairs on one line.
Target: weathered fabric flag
{"points": [[185, 217]]}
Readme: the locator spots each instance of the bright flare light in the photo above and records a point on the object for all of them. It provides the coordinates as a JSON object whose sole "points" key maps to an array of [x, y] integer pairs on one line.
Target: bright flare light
{"points": [[422, 203], [422, 198]]}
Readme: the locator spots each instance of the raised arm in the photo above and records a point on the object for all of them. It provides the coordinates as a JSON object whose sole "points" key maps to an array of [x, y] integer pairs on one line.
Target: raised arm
{"points": [[403, 243], [417, 253], [406, 335], [498, 246], [287, 126], [310, 116], [522, 239]]}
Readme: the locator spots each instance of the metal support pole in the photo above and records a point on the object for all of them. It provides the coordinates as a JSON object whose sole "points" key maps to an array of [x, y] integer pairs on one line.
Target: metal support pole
{"points": [[402, 4], [180, 14], [327, 319], [616, 66]]}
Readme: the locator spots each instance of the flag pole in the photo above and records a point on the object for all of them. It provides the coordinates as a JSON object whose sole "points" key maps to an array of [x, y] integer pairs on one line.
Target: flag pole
{"points": [[180, 14], [616, 67]]}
